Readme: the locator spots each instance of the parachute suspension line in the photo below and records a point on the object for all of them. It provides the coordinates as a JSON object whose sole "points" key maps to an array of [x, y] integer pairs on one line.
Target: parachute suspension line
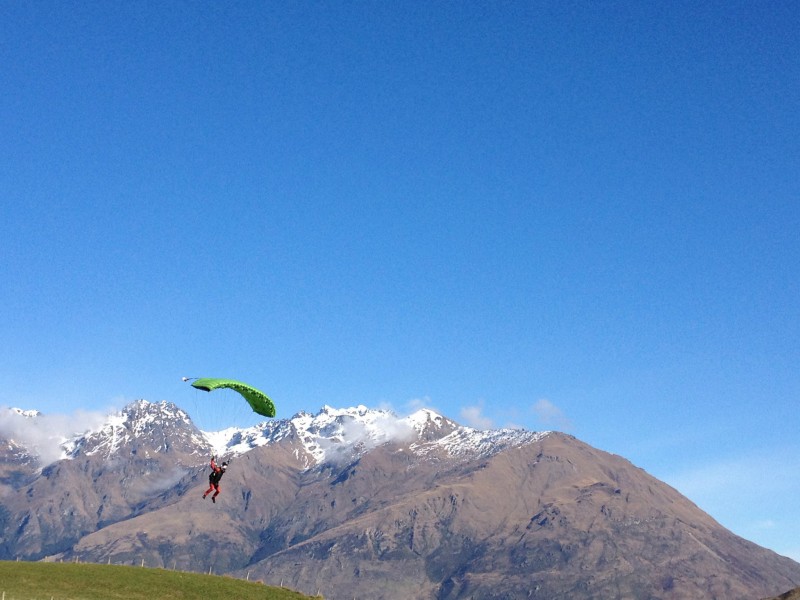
{"points": [[208, 416], [227, 404], [196, 415], [258, 400]]}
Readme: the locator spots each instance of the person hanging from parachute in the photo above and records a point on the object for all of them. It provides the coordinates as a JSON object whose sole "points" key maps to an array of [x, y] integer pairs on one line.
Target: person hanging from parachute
{"points": [[213, 479], [258, 401]]}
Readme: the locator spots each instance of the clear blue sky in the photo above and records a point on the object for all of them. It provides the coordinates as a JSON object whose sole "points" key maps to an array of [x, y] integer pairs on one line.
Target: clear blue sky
{"points": [[580, 216]]}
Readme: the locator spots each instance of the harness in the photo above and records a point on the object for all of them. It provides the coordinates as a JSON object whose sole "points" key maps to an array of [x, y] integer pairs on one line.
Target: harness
{"points": [[215, 476]]}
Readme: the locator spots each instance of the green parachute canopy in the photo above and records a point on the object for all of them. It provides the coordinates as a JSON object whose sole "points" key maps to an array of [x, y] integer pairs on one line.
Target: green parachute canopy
{"points": [[257, 399]]}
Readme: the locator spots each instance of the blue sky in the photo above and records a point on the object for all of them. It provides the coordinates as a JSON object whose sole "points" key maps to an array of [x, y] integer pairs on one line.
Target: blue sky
{"points": [[555, 215]]}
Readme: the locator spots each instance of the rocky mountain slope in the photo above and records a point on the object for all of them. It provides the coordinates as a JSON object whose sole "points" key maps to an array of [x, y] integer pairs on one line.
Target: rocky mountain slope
{"points": [[790, 595], [359, 503]]}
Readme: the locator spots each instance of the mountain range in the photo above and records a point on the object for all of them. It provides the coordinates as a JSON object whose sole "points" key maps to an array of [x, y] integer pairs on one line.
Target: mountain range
{"points": [[358, 503]]}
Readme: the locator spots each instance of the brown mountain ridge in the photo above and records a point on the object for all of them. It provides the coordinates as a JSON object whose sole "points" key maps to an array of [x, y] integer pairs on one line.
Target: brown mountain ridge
{"points": [[790, 595], [547, 517]]}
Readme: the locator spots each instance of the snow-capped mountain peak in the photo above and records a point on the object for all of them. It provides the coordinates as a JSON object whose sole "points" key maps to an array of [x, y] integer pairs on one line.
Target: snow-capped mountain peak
{"points": [[162, 425], [334, 434], [331, 435], [325, 436]]}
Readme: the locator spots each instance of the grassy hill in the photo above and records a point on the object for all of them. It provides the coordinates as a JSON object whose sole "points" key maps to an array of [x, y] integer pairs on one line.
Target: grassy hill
{"points": [[63, 581]]}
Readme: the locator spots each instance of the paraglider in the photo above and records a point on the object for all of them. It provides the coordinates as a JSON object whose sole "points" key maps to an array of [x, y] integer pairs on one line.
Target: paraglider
{"points": [[258, 400]]}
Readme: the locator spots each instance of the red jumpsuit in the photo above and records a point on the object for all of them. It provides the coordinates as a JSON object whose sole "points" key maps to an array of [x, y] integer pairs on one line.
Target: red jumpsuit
{"points": [[213, 480]]}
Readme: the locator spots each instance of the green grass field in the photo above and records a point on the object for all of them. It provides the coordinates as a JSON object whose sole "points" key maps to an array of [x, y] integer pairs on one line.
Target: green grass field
{"points": [[69, 581]]}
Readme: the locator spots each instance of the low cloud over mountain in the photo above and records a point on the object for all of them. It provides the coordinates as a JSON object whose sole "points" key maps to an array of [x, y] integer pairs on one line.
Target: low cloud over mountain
{"points": [[44, 435]]}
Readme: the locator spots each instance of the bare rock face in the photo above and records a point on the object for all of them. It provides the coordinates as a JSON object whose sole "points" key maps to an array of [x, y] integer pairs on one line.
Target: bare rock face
{"points": [[17, 467], [790, 595], [356, 503]]}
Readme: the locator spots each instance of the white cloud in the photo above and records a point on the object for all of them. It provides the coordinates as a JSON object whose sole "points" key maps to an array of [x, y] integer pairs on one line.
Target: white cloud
{"points": [[550, 415], [42, 435], [513, 425], [152, 484], [355, 434], [474, 417], [416, 404]]}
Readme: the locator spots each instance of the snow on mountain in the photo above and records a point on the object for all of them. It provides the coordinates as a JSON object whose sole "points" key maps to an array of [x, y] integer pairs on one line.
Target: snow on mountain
{"points": [[162, 424], [331, 436], [236, 440], [335, 434], [425, 419], [327, 436], [28, 414], [468, 442]]}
